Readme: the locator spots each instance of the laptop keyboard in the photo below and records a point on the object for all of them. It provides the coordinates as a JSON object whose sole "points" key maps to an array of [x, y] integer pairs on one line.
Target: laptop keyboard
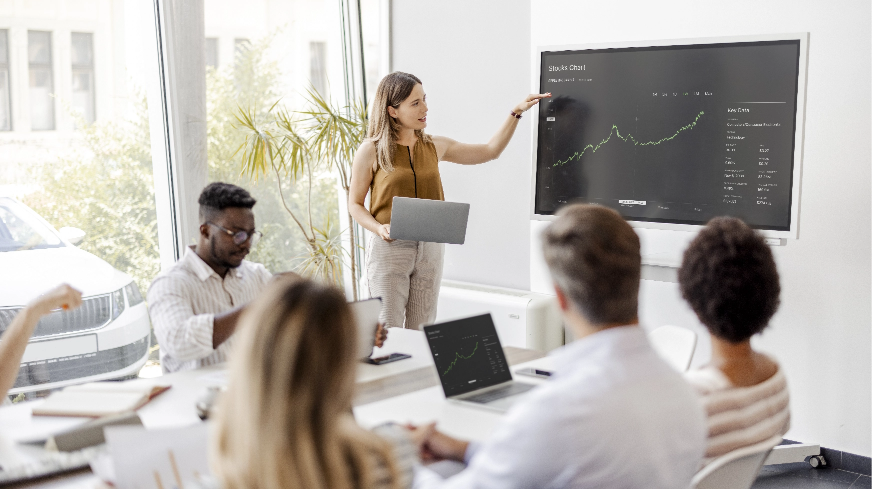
{"points": [[50, 464], [502, 392]]}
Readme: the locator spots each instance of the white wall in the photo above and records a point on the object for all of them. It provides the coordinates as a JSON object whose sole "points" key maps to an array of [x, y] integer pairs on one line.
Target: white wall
{"points": [[473, 58], [821, 333]]}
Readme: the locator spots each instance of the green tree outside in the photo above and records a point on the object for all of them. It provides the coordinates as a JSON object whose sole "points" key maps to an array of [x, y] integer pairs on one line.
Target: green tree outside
{"points": [[104, 186], [252, 82]]}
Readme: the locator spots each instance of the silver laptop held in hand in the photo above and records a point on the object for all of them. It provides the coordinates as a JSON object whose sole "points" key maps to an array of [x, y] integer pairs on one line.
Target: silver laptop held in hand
{"points": [[435, 221]]}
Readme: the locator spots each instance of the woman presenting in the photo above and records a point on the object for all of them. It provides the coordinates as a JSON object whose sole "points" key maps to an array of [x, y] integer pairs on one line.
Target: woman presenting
{"points": [[399, 160]]}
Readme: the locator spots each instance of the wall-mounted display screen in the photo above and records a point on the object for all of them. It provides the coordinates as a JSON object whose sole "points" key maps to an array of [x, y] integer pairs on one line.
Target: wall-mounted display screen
{"points": [[672, 134]]}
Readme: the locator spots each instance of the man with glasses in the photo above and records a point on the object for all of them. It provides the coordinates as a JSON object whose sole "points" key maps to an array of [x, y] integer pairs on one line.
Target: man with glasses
{"points": [[196, 303]]}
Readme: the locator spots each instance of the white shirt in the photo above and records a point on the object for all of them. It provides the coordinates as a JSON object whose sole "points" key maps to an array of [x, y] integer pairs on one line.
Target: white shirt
{"points": [[183, 301], [614, 415]]}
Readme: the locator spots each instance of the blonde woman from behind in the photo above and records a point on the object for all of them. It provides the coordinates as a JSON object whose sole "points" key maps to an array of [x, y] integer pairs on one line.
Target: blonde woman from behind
{"points": [[285, 420]]}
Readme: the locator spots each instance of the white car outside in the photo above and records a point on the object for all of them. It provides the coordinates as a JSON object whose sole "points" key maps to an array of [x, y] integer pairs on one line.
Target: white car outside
{"points": [[106, 338]]}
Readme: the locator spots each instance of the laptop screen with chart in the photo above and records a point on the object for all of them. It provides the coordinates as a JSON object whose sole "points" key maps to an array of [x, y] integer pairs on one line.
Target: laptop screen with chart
{"points": [[468, 354]]}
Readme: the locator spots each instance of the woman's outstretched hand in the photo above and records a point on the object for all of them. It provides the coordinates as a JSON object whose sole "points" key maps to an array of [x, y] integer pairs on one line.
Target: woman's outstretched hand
{"points": [[530, 101]]}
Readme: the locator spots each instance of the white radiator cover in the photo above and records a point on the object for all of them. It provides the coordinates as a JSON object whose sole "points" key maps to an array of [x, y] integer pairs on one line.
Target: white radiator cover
{"points": [[523, 319]]}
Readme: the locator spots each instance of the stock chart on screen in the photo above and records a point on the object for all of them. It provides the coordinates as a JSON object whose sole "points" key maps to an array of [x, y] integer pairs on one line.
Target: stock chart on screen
{"points": [[675, 134]]}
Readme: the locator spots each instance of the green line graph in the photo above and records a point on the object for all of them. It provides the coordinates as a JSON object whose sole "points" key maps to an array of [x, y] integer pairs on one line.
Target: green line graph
{"points": [[458, 356], [628, 138]]}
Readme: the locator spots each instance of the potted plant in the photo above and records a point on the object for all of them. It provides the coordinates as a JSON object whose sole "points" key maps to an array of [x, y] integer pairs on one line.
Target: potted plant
{"points": [[289, 144]]}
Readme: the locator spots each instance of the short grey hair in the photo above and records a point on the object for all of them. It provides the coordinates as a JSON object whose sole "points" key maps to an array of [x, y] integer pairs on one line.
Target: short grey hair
{"points": [[593, 256]]}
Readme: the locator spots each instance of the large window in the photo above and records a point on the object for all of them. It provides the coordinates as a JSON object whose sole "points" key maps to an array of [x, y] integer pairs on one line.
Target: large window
{"points": [[5, 108], [84, 151], [77, 200], [39, 57], [275, 57], [82, 60]]}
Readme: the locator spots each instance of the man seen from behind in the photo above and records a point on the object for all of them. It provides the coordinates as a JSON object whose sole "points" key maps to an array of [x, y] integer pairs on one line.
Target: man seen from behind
{"points": [[614, 414]]}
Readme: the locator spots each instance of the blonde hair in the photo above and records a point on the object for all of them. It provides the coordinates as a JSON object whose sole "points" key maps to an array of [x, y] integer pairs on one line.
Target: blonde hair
{"points": [[285, 420], [383, 129]]}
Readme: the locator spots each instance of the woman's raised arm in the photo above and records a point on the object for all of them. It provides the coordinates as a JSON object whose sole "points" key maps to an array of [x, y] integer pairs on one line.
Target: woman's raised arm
{"points": [[473, 154], [18, 333]]}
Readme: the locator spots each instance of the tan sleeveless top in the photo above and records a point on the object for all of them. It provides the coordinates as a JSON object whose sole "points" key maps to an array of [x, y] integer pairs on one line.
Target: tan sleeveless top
{"points": [[416, 177]]}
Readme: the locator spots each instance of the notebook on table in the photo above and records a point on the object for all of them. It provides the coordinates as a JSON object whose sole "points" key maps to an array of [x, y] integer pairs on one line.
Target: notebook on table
{"points": [[471, 363], [98, 399]]}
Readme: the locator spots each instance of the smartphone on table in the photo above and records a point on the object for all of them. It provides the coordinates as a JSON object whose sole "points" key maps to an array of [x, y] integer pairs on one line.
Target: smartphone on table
{"points": [[393, 357]]}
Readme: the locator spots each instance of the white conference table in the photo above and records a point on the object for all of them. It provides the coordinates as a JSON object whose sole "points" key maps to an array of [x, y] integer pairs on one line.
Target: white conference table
{"points": [[403, 391]]}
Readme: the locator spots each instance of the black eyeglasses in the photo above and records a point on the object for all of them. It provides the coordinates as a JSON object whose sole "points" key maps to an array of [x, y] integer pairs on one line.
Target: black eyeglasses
{"points": [[240, 237]]}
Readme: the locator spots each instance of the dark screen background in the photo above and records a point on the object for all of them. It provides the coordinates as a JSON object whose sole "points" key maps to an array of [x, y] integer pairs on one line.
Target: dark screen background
{"points": [[681, 134], [467, 354]]}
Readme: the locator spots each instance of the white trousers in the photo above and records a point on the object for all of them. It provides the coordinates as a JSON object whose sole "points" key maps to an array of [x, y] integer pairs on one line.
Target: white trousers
{"points": [[406, 275]]}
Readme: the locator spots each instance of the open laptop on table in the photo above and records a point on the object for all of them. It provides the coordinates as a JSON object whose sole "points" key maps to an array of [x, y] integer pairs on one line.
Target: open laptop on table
{"points": [[471, 364], [434, 221]]}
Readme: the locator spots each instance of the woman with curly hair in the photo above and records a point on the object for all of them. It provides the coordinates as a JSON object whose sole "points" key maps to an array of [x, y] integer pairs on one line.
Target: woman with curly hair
{"points": [[728, 277]]}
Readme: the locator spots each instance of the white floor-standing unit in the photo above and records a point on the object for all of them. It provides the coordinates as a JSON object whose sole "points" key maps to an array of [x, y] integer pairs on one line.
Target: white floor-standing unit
{"points": [[797, 452], [523, 319]]}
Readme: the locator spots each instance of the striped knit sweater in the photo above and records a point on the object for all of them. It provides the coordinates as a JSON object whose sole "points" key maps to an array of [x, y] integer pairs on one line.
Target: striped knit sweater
{"points": [[740, 416]]}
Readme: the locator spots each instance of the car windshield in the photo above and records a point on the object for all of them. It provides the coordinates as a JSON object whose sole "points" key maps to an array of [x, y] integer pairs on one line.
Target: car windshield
{"points": [[21, 229]]}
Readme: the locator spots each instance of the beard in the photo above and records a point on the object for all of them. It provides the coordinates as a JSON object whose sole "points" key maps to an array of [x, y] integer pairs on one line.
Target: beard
{"points": [[221, 261]]}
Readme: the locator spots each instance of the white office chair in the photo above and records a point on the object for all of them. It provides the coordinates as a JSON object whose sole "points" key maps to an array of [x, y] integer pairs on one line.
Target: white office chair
{"points": [[676, 345], [737, 469]]}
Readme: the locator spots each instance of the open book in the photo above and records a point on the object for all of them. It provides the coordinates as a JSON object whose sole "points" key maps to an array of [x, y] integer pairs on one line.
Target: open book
{"points": [[99, 399]]}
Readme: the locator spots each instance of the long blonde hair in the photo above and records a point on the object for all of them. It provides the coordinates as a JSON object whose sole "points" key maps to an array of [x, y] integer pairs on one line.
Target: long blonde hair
{"points": [[382, 128], [285, 420]]}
